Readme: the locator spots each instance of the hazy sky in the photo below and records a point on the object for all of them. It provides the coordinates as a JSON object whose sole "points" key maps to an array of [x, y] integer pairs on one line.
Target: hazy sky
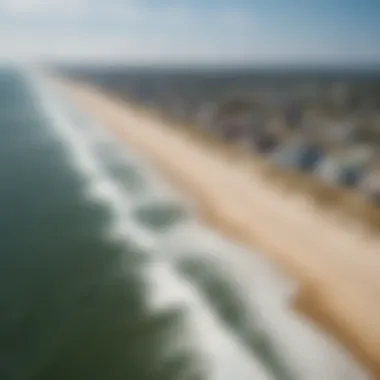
{"points": [[193, 31]]}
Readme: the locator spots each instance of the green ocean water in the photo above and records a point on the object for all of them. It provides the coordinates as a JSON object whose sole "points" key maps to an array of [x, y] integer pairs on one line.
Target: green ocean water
{"points": [[105, 275]]}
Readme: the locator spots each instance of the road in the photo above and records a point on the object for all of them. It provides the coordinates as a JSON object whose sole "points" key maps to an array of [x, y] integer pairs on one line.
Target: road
{"points": [[337, 267]]}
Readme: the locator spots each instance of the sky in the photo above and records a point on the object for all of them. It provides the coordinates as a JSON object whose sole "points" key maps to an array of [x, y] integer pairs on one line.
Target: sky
{"points": [[224, 32]]}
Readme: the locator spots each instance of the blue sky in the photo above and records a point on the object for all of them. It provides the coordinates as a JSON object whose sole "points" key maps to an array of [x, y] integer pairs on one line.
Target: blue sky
{"points": [[193, 31]]}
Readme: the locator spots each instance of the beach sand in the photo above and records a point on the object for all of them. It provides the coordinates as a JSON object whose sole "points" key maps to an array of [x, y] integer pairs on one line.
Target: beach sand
{"points": [[337, 265]]}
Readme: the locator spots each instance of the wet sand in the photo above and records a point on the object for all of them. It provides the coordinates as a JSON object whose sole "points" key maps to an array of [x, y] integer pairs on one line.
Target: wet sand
{"points": [[337, 266]]}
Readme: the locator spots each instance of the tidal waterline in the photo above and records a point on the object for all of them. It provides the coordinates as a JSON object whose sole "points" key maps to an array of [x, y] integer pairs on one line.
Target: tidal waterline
{"points": [[105, 276]]}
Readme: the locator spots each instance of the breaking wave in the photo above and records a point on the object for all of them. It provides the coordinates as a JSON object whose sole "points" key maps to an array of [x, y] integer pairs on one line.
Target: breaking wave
{"points": [[107, 273]]}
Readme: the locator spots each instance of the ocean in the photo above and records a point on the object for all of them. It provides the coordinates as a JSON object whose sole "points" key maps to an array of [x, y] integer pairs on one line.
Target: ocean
{"points": [[107, 273]]}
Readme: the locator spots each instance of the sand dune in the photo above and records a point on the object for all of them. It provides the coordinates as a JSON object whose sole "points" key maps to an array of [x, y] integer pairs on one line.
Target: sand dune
{"points": [[337, 266]]}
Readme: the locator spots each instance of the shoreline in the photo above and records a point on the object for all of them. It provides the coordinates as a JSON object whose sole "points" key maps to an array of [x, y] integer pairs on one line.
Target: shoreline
{"points": [[325, 258]]}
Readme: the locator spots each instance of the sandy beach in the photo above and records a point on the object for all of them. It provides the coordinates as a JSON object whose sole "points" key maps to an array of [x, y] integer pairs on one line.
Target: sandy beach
{"points": [[337, 266]]}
